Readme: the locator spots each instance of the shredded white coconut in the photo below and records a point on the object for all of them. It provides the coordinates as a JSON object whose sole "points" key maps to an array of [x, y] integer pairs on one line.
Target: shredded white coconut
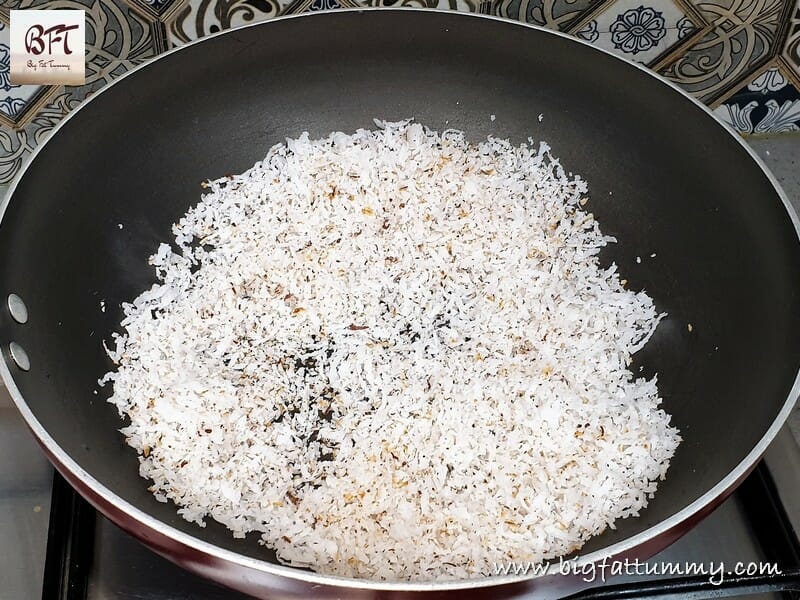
{"points": [[395, 355]]}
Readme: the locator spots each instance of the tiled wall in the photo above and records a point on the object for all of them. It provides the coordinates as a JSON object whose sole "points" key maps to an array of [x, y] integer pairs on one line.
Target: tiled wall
{"points": [[741, 57]]}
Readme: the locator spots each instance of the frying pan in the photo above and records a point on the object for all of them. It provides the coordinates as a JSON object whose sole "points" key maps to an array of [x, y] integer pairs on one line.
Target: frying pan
{"points": [[665, 178]]}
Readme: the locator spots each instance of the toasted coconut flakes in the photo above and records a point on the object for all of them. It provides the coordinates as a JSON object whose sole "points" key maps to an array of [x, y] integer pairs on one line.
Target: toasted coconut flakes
{"points": [[403, 402]]}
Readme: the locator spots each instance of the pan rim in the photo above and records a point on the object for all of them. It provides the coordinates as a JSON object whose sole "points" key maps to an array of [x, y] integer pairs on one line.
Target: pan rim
{"points": [[712, 495]]}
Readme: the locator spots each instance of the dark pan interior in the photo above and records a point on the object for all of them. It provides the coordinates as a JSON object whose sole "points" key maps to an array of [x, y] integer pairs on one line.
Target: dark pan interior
{"points": [[665, 178]]}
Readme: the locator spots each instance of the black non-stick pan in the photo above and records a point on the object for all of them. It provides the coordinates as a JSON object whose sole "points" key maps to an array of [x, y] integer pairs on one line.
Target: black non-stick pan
{"points": [[665, 177]]}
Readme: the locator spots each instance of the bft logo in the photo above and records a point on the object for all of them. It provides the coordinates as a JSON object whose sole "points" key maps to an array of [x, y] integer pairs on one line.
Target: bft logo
{"points": [[37, 36], [48, 47]]}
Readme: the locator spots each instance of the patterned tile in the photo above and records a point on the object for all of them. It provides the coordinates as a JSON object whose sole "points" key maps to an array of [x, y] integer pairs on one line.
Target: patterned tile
{"points": [[155, 8], [16, 144], [483, 6], [555, 14], [791, 49], [710, 47], [13, 98], [743, 36], [118, 37], [194, 19], [300, 6], [769, 103], [644, 33]]}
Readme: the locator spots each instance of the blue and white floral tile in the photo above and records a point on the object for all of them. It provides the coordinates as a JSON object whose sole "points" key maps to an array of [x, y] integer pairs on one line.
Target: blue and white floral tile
{"points": [[770, 103], [640, 31]]}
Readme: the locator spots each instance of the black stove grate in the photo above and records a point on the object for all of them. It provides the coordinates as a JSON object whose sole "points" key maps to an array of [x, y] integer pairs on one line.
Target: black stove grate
{"points": [[70, 544]]}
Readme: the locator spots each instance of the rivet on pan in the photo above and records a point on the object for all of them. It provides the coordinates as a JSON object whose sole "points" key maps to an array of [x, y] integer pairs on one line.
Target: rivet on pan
{"points": [[20, 356], [17, 308]]}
